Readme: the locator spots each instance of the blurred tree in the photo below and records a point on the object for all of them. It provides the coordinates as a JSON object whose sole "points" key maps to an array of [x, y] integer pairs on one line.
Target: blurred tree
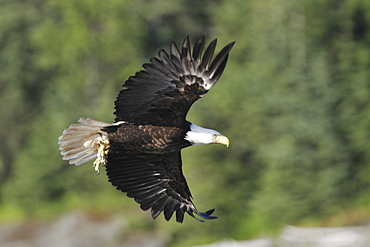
{"points": [[86, 48], [21, 82], [293, 117], [173, 20], [351, 55]]}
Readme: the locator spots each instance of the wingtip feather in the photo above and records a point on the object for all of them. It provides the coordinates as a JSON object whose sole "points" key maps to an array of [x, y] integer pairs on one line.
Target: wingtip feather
{"points": [[207, 215]]}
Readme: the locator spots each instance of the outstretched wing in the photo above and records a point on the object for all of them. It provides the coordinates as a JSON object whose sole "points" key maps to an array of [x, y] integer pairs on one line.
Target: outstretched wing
{"points": [[154, 181], [163, 93]]}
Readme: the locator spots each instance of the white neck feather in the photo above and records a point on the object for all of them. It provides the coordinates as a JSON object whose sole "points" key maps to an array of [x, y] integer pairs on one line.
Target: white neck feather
{"points": [[200, 136]]}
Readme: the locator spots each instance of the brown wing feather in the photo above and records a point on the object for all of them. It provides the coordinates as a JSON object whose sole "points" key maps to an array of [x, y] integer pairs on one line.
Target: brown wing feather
{"points": [[154, 181], [163, 93]]}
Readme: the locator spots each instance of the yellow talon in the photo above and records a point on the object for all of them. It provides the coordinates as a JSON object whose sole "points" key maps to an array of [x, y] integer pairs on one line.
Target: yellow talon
{"points": [[101, 155]]}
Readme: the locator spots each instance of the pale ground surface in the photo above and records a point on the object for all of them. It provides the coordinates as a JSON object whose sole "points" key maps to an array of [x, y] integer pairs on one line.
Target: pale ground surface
{"points": [[78, 230]]}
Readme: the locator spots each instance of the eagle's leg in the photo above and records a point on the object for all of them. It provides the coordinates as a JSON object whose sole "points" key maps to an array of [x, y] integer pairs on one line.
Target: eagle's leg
{"points": [[101, 155]]}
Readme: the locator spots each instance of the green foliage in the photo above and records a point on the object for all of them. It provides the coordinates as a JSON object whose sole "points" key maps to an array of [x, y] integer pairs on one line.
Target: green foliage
{"points": [[82, 57], [299, 67], [294, 101]]}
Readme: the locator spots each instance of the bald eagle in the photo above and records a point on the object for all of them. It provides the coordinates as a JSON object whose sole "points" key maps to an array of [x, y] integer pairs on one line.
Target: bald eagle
{"points": [[141, 149]]}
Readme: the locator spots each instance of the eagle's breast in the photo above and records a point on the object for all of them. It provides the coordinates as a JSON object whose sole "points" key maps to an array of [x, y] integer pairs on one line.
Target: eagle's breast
{"points": [[153, 139]]}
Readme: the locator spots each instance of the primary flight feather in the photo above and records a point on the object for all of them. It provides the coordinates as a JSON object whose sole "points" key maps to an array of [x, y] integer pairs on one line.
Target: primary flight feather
{"points": [[141, 149]]}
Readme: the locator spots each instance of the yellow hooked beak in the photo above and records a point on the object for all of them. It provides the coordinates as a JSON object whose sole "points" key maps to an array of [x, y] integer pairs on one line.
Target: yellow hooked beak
{"points": [[222, 140]]}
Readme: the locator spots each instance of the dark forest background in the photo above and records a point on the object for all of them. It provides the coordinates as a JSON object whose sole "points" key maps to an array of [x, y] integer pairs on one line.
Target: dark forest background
{"points": [[294, 101]]}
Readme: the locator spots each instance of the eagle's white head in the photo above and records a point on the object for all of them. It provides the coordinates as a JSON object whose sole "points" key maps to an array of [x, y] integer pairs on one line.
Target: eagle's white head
{"points": [[202, 136]]}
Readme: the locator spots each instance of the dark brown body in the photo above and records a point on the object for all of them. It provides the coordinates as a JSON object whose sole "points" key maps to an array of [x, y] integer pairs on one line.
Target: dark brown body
{"points": [[139, 139]]}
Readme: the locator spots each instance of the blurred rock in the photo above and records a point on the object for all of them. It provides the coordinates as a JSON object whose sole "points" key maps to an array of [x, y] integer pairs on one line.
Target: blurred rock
{"points": [[71, 230], [77, 229], [355, 236], [250, 243]]}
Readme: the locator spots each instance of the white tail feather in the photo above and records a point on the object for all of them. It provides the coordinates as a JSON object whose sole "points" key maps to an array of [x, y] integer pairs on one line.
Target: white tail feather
{"points": [[80, 142]]}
